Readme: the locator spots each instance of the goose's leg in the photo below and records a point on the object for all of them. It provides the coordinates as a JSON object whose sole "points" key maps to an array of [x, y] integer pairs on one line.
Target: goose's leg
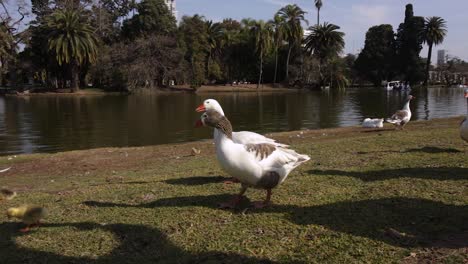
{"points": [[231, 180], [262, 204], [26, 229], [236, 200], [403, 125]]}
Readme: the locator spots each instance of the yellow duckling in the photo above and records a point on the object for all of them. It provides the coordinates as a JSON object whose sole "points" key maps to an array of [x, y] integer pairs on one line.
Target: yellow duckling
{"points": [[29, 214], [7, 193]]}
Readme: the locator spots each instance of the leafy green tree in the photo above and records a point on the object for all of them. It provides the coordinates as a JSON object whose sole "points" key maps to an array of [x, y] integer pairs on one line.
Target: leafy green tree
{"points": [[324, 42], [40, 7], [349, 67], [318, 5], [194, 35], [117, 8], [150, 61], [278, 37], [408, 46], [71, 41], [153, 17], [435, 30], [263, 40], [293, 16], [7, 46], [215, 43], [335, 73], [376, 60]]}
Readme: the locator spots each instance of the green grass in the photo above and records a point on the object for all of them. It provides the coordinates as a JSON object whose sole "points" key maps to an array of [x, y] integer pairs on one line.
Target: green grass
{"points": [[365, 197]]}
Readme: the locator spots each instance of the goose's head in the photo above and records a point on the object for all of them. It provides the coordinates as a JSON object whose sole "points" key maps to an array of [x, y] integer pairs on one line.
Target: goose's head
{"points": [[210, 104], [466, 93], [210, 118], [410, 97]]}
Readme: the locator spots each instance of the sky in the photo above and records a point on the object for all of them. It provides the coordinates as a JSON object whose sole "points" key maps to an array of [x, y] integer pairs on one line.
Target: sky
{"points": [[353, 16]]}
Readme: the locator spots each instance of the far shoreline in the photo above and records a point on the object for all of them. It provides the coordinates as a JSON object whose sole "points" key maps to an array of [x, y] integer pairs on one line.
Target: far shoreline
{"points": [[177, 89], [242, 88]]}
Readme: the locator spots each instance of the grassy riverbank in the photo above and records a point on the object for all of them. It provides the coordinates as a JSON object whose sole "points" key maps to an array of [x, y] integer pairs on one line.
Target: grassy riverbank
{"points": [[365, 197]]}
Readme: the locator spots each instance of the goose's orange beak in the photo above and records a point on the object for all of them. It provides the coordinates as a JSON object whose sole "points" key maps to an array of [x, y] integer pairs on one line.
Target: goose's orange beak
{"points": [[201, 108], [199, 123]]}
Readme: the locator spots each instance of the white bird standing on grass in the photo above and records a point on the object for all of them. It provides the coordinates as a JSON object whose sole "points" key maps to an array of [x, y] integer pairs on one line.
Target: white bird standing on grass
{"points": [[261, 165], [403, 116]]}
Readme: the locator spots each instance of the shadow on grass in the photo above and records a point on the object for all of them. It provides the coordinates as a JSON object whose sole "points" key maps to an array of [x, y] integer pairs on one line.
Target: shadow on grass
{"points": [[211, 201], [396, 221], [197, 180], [373, 130], [138, 244], [434, 150], [440, 173]]}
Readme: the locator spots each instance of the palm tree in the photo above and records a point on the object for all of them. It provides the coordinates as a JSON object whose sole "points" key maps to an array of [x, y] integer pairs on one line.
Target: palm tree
{"points": [[72, 41], [6, 44], [336, 75], [434, 32], [278, 36], [215, 41], [263, 40], [318, 5], [248, 23], [324, 42], [292, 16]]}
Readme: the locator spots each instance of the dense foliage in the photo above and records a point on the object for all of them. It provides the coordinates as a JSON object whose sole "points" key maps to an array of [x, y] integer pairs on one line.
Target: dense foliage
{"points": [[391, 55], [126, 44], [376, 61]]}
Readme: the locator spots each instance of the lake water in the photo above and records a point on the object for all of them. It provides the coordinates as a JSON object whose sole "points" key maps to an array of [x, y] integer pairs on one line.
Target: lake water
{"points": [[59, 123]]}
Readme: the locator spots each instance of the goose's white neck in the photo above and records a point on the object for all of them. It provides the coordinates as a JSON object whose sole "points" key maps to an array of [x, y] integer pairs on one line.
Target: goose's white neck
{"points": [[406, 106]]}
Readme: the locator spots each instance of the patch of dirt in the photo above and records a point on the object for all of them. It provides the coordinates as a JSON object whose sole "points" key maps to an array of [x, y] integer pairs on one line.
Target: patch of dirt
{"points": [[452, 249]]}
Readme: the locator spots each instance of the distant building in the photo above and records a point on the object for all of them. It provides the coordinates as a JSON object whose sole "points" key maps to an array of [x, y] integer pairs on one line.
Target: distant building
{"points": [[441, 57], [171, 4]]}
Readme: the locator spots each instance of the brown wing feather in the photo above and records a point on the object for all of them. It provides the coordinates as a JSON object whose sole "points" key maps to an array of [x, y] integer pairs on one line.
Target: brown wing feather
{"points": [[400, 114], [261, 151]]}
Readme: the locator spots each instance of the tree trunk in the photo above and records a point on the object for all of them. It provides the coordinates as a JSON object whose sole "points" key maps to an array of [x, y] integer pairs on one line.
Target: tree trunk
{"points": [[75, 77], [428, 64], [318, 17], [287, 63], [276, 65], [261, 70], [321, 78], [207, 65]]}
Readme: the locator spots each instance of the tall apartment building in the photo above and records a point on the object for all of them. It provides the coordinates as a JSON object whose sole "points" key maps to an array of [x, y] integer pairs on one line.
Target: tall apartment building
{"points": [[441, 57], [171, 4]]}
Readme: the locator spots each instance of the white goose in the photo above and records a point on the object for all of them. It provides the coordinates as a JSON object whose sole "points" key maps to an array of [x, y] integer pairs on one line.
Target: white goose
{"points": [[402, 117], [464, 123], [261, 165], [241, 137]]}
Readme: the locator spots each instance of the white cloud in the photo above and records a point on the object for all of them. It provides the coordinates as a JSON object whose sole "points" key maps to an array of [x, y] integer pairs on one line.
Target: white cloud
{"points": [[277, 2], [370, 14]]}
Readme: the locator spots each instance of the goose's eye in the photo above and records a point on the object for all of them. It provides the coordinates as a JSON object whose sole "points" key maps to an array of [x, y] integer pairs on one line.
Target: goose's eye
{"points": [[208, 102]]}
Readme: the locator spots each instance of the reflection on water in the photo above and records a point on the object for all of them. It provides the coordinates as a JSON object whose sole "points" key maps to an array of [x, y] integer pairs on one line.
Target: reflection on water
{"points": [[57, 123]]}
